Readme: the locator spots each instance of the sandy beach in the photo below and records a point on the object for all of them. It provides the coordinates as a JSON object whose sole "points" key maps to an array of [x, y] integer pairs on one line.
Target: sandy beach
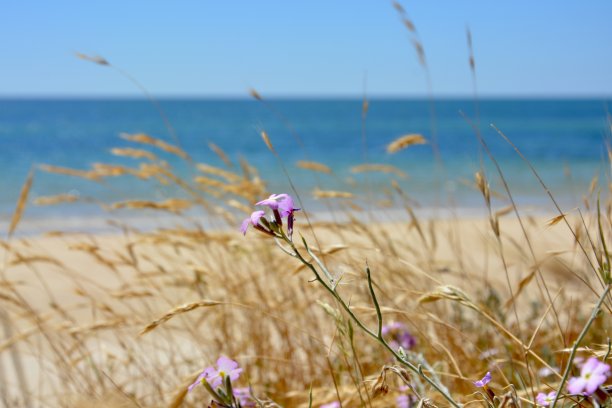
{"points": [[306, 204], [78, 299]]}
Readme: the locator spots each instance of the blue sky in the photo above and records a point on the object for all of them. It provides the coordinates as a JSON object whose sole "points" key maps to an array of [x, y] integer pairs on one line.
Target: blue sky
{"points": [[313, 48]]}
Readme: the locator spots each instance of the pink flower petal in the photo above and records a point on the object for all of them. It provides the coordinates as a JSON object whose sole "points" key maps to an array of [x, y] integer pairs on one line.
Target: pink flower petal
{"points": [[589, 366], [245, 225], [204, 375], [286, 205], [484, 381], [271, 202], [234, 374], [256, 216], [226, 364], [592, 384], [197, 382], [576, 385], [601, 369]]}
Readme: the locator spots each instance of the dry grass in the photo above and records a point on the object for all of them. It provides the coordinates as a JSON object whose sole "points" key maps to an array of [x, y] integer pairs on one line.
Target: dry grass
{"points": [[403, 142], [377, 167], [314, 166], [129, 320], [21, 203]]}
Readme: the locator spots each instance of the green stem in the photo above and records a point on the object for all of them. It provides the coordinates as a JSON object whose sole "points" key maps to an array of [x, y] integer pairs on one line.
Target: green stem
{"points": [[583, 333], [375, 301], [377, 336]]}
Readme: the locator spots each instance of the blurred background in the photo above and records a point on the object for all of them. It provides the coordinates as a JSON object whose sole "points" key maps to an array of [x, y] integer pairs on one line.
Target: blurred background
{"points": [[183, 73]]}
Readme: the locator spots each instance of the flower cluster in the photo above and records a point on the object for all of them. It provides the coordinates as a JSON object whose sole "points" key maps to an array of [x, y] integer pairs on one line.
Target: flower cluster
{"points": [[593, 373], [398, 336], [217, 380], [226, 367], [282, 207]]}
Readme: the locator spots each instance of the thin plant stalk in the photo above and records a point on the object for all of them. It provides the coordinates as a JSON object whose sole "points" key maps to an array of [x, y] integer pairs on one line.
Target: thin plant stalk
{"points": [[574, 348], [375, 335]]}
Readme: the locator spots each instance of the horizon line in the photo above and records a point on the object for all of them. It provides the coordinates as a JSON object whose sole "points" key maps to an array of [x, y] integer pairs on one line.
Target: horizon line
{"points": [[246, 96]]}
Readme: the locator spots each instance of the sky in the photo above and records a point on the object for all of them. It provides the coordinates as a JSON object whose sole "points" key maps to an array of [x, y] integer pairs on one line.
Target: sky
{"points": [[315, 48]]}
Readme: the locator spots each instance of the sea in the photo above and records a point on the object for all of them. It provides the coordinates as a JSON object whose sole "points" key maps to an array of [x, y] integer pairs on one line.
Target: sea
{"points": [[565, 140]]}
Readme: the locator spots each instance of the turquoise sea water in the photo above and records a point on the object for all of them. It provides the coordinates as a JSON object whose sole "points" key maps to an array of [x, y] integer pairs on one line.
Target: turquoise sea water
{"points": [[564, 139]]}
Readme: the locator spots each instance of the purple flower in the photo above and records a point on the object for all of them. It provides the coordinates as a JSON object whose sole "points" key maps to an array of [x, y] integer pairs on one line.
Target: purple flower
{"points": [[204, 375], [546, 399], [226, 367], [399, 336], [286, 206], [334, 404], [276, 201], [243, 395], [592, 374], [281, 206], [484, 381], [253, 220]]}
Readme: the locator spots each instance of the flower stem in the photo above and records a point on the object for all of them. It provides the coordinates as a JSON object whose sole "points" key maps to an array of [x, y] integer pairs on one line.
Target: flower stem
{"points": [[377, 336], [583, 333]]}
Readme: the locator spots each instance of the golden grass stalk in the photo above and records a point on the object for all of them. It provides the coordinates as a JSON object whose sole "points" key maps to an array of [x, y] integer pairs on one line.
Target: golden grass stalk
{"points": [[244, 189], [504, 211], [255, 94], [30, 259], [267, 141], [113, 170], [593, 185], [555, 220], [99, 325], [160, 144], [219, 152], [21, 203], [148, 170], [17, 338], [132, 293], [96, 59], [418, 47], [448, 292], [86, 174], [399, 8], [175, 205], [178, 310], [403, 142], [227, 215], [383, 168], [404, 17], [483, 186], [239, 206], [215, 171], [314, 166], [471, 51], [56, 199], [209, 181], [133, 153], [409, 25], [317, 193], [248, 171]]}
